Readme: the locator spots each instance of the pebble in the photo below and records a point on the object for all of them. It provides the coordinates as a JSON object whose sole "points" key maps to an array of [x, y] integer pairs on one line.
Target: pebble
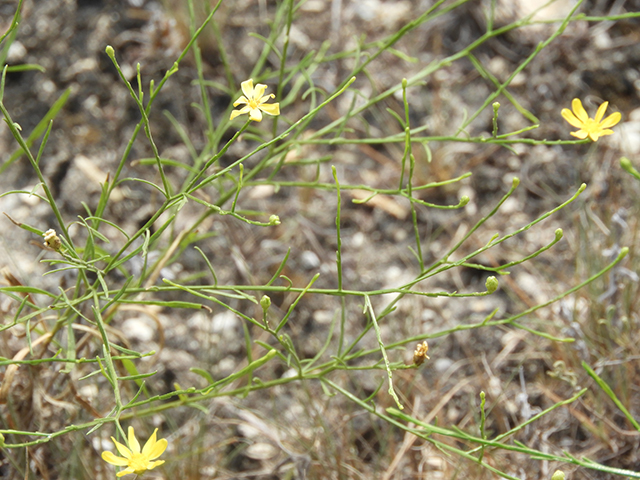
{"points": [[309, 260], [261, 451], [137, 328], [16, 53], [223, 322]]}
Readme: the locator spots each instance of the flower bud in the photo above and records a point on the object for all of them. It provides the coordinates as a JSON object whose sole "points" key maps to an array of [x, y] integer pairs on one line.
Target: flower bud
{"points": [[265, 302], [274, 220], [491, 284]]}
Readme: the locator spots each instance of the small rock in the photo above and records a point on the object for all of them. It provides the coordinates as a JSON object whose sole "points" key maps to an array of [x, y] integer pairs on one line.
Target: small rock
{"points": [[314, 6], [261, 451], [16, 53], [137, 329], [309, 260], [223, 322], [323, 317]]}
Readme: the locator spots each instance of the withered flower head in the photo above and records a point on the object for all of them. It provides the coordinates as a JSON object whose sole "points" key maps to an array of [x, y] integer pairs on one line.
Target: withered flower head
{"points": [[51, 240], [420, 354]]}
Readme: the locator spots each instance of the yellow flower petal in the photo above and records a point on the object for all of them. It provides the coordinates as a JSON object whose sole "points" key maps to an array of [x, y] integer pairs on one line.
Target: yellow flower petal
{"points": [[124, 472], [153, 465], [153, 448], [133, 441], [242, 111], [124, 451], [247, 88], [242, 99], [266, 98], [600, 113], [600, 133], [148, 446], [258, 91], [158, 449], [581, 134], [270, 108], [255, 115], [578, 109], [109, 457], [611, 120], [571, 118]]}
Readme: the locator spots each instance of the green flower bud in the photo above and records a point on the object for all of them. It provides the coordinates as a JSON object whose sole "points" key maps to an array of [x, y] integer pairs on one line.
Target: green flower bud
{"points": [[558, 475], [265, 302], [274, 220], [491, 284]]}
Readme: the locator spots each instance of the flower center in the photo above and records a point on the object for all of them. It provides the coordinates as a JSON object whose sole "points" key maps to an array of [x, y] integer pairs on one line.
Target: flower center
{"points": [[590, 126], [253, 103], [138, 462]]}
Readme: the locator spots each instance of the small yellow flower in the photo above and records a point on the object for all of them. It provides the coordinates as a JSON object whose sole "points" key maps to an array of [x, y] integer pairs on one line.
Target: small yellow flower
{"points": [[135, 460], [593, 128], [255, 102]]}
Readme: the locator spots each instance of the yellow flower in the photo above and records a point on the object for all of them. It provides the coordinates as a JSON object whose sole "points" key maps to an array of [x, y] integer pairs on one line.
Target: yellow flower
{"points": [[255, 102], [593, 128], [135, 460]]}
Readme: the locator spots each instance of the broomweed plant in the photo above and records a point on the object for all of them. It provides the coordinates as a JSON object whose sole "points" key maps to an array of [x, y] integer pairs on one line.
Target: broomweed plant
{"points": [[293, 346]]}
